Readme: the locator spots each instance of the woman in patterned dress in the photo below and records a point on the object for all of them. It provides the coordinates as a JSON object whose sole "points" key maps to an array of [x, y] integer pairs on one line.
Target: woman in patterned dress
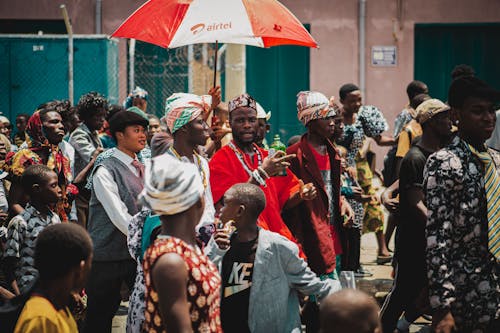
{"points": [[360, 122], [182, 285]]}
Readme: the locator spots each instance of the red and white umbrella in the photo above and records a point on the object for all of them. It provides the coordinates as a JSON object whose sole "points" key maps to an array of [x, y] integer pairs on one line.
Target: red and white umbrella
{"points": [[174, 23]]}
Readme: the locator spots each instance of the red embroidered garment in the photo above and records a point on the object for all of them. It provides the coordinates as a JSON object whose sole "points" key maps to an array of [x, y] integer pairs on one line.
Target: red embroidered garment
{"points": [[227, 170], [203, 287]]}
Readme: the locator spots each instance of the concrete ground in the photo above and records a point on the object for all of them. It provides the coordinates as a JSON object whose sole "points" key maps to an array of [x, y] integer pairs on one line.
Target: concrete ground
{"points": [[378, 285]]}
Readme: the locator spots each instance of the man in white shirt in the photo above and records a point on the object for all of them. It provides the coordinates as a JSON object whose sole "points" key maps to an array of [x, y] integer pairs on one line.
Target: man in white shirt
{"points": [[117, 181]]}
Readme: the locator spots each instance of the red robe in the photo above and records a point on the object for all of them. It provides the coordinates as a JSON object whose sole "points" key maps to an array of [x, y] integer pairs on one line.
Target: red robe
{"points": [[227, 170], [310, 220]]}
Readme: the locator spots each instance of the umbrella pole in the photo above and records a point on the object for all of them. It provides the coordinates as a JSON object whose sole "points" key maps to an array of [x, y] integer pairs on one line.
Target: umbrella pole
{"points": [[215, 62]]}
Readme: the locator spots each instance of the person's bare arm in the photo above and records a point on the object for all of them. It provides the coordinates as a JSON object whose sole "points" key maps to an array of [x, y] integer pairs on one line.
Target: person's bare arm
{"points": [[384, 140], [82, 176], [169, 277], [415, 196], [5, 294], [306, 192], [389, 197]]}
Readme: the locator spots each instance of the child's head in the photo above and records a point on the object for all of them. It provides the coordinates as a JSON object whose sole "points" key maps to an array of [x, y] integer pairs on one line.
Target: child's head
{"points": [[349, 310], [243, 203], [41, 184], [64, 251], [129, 128]]}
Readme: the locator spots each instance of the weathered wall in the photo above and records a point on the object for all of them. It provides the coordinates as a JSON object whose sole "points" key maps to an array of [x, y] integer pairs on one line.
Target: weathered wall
{"points": [[334, 25]]}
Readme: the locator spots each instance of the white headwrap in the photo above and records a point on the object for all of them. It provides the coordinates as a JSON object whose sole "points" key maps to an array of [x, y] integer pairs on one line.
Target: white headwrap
{"points": [[262, 114], [170, 186]]}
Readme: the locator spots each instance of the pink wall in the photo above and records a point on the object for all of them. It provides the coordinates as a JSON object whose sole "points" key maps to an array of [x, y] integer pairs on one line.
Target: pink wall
{"points": [[334, 25]]}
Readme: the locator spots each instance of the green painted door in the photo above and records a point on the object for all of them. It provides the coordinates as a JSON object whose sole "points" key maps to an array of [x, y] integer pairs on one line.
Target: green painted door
{"points": [[274, 76], [440, 47]]}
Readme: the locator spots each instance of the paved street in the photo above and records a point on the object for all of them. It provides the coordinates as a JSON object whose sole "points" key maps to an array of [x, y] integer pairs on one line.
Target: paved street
{"points": [[377, 285]]}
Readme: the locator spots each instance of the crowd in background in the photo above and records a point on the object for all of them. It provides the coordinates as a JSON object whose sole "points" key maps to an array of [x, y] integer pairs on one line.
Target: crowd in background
{"points": [[207, 229]]}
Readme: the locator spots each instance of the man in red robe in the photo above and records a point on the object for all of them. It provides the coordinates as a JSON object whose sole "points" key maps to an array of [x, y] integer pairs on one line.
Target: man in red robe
{"points": [[242, 161], [318, 224]]}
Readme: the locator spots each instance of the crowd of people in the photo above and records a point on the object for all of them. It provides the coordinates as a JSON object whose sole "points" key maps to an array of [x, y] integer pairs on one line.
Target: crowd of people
{"points": [[204, 229]]}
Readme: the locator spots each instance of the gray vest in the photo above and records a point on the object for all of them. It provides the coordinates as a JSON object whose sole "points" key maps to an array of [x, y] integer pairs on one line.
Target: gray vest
{"points": [[109, 243]]}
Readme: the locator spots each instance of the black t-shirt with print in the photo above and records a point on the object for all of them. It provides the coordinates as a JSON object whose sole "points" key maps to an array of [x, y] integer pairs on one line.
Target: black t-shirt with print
{"points": [[237, 271]]}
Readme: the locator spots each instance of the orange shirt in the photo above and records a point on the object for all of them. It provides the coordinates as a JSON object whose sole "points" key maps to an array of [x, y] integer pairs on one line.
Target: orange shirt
{"points": [[40, 316]]}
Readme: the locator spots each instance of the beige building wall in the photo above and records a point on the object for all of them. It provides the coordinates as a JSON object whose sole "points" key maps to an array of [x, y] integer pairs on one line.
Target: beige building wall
{"points": [[334, 25]]}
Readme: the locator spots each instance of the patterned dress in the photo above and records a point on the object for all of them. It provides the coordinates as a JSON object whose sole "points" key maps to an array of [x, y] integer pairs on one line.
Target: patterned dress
{"points": [[203, 287], [463, 275], [137, 300], [369, 122]]}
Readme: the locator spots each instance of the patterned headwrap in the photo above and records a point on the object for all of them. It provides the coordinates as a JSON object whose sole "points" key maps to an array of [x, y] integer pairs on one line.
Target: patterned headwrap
{"points": [[37, 142], [242, 101], [170, 186], [138, 92], [314, 105], [181, 108]]}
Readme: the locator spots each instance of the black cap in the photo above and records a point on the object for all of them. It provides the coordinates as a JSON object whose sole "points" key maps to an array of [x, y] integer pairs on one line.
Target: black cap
{"points": [[470, 86], [120, 120]]}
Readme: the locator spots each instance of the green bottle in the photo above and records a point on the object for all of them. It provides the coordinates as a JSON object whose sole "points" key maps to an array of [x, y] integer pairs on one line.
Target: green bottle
{"points": [[276, 146]]}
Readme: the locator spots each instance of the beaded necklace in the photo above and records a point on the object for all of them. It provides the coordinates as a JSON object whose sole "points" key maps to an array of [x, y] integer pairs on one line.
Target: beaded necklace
{"points": [[241, 157], [198, 163]]}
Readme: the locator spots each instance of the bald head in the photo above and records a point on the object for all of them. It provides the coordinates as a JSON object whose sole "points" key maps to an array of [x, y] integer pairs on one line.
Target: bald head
{"points": [[349, 310]]}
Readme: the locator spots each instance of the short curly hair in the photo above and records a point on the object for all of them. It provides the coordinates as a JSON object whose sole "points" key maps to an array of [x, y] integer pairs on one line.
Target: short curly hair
{"points": [[90, 104], [60, 106], [35, 174], [250, 196], [60, 248]]}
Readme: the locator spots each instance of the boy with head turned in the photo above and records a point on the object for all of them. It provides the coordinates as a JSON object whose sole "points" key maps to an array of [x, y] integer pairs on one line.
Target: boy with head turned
{"points": [[41, 184], [63, 255]]}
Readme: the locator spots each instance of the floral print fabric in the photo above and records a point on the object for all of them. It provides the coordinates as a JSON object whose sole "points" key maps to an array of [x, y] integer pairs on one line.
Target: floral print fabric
{"points": [[203, 287], [369, 122], [137, 301], [463, 275]]}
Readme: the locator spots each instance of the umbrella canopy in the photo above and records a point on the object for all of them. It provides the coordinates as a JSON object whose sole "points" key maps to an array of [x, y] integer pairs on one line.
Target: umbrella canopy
{"points": [[174, 23]]}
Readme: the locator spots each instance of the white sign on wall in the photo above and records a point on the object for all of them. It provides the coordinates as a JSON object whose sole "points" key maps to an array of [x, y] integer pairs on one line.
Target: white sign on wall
{"points": [[384, 56]]}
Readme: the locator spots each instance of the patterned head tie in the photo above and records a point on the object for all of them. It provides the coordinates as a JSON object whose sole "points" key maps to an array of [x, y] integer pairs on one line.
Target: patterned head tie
{"points": [[138, 92], [243, 100], [313, 105], [181, 108]]}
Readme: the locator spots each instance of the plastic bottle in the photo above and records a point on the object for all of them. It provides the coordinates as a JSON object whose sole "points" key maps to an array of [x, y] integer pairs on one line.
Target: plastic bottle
{"points": [[277, 145]]}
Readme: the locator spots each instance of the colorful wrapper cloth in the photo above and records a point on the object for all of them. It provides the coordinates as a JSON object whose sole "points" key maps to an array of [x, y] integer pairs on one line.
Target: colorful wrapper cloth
{"points": [[182, 108], [313, 105], [242, 101]]}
